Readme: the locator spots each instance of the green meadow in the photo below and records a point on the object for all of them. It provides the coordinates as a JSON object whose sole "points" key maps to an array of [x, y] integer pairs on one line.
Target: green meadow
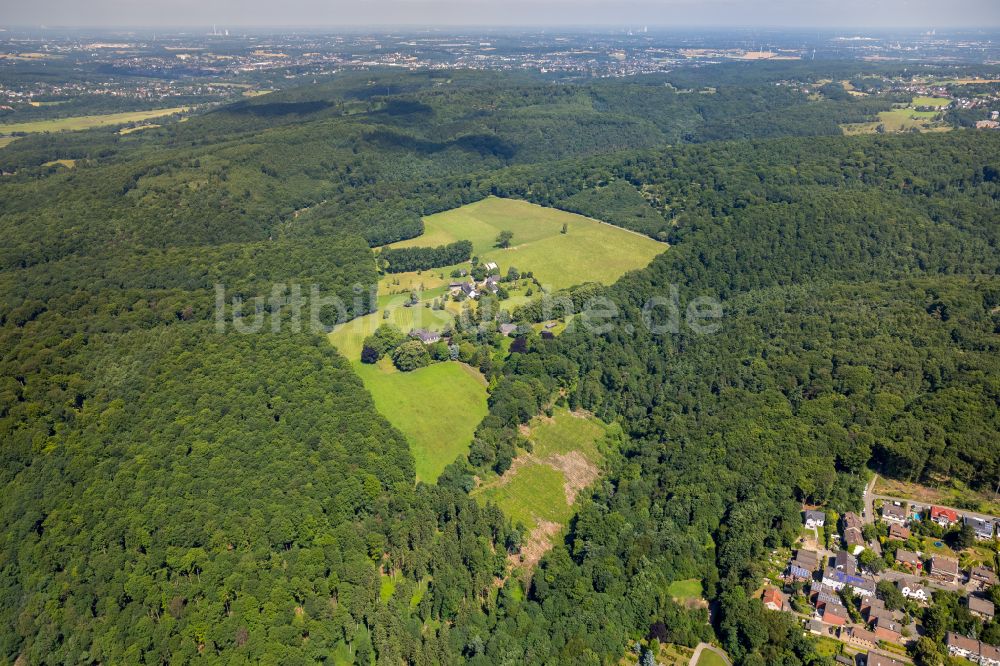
{"points": [[590, 251], [564, 452]]}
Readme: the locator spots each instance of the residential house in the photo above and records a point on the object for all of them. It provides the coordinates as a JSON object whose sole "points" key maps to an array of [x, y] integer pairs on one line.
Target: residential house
{"points": [[838, 580], [816, 627], [944, 569], [893, 513], [962, 646], [835, 614], [845, 562], [982, 607], [507, 329], [425, 336], [469, 289], [862, 638], [909, 560], [944, 517], [899, 533], [852, 532], [914, 591], [815, 519], [879, 659], [773, 599], [872, 604], [843, 659], [820, 594], [973, 650], [491, 284], [805, 563], [982, 528], [887, 629], [983, 577]]}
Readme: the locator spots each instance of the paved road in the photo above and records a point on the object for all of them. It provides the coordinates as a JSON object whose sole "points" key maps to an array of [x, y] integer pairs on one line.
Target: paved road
{"points": [[705, 646]]}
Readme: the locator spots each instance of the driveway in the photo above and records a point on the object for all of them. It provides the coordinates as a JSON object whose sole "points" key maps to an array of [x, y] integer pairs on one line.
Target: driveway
{"points": [[706, 646]]}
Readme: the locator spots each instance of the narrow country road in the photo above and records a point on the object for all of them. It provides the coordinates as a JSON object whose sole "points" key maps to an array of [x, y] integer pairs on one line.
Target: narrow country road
{"points": [[705, 646]]}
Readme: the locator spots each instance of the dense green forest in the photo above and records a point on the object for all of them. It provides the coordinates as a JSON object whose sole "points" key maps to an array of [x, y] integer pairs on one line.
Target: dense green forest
{"points": [[172, 492]]}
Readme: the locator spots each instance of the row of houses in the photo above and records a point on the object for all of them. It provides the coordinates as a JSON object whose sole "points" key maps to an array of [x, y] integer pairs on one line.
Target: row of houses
{"points": [[984, 528], [974, 650]]}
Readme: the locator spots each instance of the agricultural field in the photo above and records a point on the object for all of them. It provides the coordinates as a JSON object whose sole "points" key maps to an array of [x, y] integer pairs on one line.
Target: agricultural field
{"points": [[904, 119], [590, 251], [87, 122]]}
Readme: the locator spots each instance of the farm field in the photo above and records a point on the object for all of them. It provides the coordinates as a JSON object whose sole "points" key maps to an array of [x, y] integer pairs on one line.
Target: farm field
{"points": [[437, 408], [590, 251], [87, 122]]}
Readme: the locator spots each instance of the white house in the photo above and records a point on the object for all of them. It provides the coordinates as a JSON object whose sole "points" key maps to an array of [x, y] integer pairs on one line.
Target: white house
{"points": [[914, 591], [815, 519]]}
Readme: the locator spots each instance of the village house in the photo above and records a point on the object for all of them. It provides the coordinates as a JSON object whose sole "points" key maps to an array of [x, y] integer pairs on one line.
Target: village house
{"points": [[834, 614], [887, 629], [805, 563], [815, 519], [773, 599], [983, 577], [914, 591], [944, 569], [844, 561], [838, 580], [943, 517], [892, 513], [852, 532], [869, 604], [862, 638], [984, 608], [820, 594], [507, 329], [879, 659], [982, 528], [973, 650], [899, 533], [909, 560]]}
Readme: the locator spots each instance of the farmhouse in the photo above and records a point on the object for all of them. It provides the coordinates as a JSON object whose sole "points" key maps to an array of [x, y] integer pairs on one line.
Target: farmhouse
{"points": [[773, 599], [909, 560], [893, 513], [899, 533], [984, 608], [943, 517], [982, 528], [815, 519], [425, 336], [944, 569]]}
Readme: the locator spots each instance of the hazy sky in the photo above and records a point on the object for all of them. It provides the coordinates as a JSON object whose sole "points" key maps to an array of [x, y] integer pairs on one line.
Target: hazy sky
{"points": [[333, 13]]}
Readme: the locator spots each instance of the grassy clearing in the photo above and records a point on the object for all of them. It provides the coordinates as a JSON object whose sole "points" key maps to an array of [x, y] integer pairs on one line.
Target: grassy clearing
{"points": [[931, 101], [6, 140], [904, 119], [69, 164], [685, 590], [710, 658], [589, 252], [87, 122], [138, 128], [540, 486], [534, 492]]}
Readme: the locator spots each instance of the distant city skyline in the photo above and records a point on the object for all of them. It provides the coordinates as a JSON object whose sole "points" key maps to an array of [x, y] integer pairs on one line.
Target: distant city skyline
{"points": [[516, 13]]}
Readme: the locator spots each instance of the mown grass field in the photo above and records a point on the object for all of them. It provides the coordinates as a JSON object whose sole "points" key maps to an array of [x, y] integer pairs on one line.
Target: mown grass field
{"points": [[87, 122], [903, 119], [709, 658], [684, 590], [590, 251]]}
